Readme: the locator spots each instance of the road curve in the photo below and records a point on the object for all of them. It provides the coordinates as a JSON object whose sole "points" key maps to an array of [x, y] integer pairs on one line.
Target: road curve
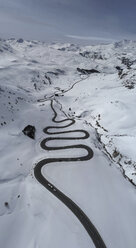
{"points": [[77, 211]]}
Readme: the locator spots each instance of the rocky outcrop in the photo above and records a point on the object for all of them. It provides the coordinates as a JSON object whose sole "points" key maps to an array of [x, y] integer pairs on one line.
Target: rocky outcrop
{"points": [[120, 70], [126, 62], [87, 72], [20, 40], [29, 131], [91, 55]]}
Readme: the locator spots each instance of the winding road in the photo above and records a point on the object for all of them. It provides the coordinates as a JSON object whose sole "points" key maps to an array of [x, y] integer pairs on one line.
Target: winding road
{"points": [[77, 211]]}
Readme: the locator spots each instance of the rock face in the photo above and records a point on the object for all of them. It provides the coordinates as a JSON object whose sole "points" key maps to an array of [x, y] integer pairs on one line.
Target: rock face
{"points": [[91, 55], [86, 72], [126, 62], [120, 70], [20, 40], [29, 131]]}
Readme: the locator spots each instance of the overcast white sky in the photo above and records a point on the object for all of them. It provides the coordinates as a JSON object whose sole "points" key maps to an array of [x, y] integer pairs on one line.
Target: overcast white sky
{"points": [[57, 19]]}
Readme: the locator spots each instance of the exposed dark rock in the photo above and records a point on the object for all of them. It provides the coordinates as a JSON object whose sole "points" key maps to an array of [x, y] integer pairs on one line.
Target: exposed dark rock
{"points": [[85, 54], [48, 78], [123, 75], [35, 86], [94, 55], [62, 49], [6, 204], [20, 40], [69, 48], [30, 46], [126, 62], [120, 70], [115, 153], [86, 72], [29, 131], [129, 84]]}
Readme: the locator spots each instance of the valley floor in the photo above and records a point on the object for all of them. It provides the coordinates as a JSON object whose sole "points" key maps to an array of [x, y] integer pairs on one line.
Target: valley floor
{"points": [[31, 75]]}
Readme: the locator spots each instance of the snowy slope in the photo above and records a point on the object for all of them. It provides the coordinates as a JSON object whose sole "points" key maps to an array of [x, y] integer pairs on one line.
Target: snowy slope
{"points": [[32, 73]]}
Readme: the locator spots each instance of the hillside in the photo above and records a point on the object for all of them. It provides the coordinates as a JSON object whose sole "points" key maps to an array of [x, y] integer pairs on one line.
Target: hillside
{"points": [[102, 102]]}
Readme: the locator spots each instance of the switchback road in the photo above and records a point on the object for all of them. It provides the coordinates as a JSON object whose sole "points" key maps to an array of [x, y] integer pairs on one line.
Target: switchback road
{"points": [[77, 211]]}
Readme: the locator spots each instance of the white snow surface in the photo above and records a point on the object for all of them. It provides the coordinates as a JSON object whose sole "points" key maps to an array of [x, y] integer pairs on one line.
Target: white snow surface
{"points": [[32, 73]]}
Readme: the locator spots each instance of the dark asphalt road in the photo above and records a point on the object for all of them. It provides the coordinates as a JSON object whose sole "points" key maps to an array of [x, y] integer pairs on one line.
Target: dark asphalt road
{"points": [[85, 221]]}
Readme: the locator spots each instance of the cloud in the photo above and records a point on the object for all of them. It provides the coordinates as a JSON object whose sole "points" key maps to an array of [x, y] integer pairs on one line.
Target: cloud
{"points": [[90, 38], [90, 19]]}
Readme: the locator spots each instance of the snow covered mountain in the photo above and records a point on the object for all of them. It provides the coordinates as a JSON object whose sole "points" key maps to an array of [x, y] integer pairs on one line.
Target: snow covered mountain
{"points": [[33, 73]]}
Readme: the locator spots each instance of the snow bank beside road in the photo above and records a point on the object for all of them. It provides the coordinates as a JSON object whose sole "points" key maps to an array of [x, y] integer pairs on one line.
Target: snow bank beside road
{"points": [[102, 102]]}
